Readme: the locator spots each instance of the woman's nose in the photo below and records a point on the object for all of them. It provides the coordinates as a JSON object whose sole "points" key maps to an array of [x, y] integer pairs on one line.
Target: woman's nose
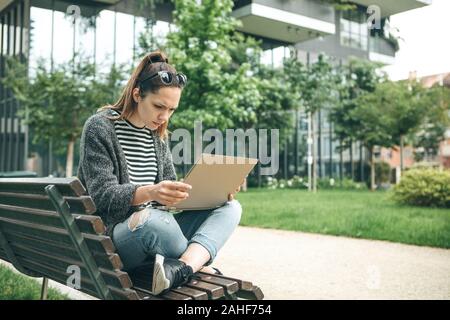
{"points": [[164, 116]]}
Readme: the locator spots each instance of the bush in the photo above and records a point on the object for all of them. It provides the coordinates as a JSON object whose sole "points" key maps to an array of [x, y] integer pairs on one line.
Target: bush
{"points": [[325, 183], [382, 173], [349, 184], [336, 184], [424, 187]]}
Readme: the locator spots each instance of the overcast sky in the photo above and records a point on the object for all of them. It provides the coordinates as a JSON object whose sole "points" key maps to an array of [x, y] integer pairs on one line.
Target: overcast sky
{"points": [[425, 47]]}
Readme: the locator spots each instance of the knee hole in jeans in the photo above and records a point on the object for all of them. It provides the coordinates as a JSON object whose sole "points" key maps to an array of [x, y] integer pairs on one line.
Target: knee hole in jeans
{"points": [[138, 219]]}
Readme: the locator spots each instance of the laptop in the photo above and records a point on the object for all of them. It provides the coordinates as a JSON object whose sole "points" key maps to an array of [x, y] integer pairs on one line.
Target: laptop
{"points": [[212, 178]]}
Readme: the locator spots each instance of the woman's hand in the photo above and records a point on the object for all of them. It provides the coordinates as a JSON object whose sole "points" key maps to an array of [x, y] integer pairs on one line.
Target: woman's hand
{"points": [[169, 192], [231, 195]]}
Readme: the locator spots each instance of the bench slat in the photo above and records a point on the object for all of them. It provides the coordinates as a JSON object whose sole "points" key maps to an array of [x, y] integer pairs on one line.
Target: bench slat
{"points": [[78, 205], [96, 243], [243, 284], [214, 291], [254, 293], [86, 223], [70, 187], [107, 261], [145, 296], [192, 293], [230, 286], [171, 295]]}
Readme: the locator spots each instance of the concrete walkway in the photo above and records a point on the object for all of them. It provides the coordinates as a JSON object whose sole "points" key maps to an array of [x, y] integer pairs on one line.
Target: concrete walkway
{"points": [[297, 265]]}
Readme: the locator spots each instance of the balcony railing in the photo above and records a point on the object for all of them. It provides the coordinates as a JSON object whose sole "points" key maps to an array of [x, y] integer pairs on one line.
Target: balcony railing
{"points": [[382, 46], [286, 21]]}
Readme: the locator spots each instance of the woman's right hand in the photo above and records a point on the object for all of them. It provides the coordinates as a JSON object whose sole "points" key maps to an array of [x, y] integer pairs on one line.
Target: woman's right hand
{"points": [[169, 192]]}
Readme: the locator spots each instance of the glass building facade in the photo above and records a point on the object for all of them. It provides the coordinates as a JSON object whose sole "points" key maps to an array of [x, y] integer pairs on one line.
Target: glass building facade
{"points": [[42, 31], [14, 29], [354, 30]]}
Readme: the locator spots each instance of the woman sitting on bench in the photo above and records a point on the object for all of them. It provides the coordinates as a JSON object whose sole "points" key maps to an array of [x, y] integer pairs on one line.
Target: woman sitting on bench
{"points": [[126, 166]]}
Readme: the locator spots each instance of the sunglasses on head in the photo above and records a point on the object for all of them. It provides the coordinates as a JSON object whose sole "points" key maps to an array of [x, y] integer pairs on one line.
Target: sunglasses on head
{"points": [[168, 78]]}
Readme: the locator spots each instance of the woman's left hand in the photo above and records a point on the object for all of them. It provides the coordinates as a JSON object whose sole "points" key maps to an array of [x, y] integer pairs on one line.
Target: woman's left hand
{"points": [[231, 195]]}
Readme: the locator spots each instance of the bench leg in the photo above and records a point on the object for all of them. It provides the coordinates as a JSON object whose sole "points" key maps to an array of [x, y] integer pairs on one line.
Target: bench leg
{"points": [[44, 289]]}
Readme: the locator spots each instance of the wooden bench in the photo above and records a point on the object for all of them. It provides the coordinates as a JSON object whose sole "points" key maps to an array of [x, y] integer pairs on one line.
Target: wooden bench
{"points": [[48, 225]]}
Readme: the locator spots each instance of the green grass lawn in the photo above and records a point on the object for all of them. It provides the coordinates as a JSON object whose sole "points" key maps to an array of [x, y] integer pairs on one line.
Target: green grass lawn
{"points": [[14, 286], [360, 214]]}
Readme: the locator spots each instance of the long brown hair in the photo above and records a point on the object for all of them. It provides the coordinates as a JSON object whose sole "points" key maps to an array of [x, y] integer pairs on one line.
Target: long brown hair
{"points": [[151, 63]]}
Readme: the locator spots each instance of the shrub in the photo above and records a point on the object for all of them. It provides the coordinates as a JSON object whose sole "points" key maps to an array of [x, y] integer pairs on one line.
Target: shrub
{"points": [[349, 184], [424, 187], [336, 184], [382, 172], [325, 183]]}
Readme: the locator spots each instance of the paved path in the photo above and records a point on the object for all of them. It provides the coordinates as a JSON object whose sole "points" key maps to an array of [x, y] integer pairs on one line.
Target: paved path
{"points": [[297, 265]]}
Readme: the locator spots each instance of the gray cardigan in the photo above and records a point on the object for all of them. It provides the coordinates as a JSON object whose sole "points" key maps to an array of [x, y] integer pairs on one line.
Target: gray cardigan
{"points": [[103, 169]]}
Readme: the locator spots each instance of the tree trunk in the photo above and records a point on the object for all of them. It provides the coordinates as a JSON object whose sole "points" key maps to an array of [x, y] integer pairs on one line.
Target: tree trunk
{"points": [[309, 159], [372, 169], [401, 154], [244, 185], [341, 163], [314, 164], [69, 159], [352, 169]]}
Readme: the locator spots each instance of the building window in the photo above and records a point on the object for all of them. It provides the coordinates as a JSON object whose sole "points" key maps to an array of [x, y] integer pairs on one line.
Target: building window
{"points": [[354, 31], [40, 38], [63, 41], [105, 51], [124, 38], [274, 57]]}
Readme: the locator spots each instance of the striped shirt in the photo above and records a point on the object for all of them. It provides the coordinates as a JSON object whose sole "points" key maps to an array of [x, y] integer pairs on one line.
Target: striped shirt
{"points": [[139, 149]]}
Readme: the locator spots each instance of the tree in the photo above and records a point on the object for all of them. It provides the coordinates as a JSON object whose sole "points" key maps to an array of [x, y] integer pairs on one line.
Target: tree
{"points": [[342, 5], [372, 125], [406, 103], [357, 77], [200, 47], [55, 104], [316, 88], [436, 121], [385, 116]]}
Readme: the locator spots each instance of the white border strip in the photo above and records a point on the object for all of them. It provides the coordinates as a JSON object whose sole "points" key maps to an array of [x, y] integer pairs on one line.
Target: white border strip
{"points": [[285, 17]]}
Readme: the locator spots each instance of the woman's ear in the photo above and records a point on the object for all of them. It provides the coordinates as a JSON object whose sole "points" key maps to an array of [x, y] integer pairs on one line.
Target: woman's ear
{"points": [[136, 95]]}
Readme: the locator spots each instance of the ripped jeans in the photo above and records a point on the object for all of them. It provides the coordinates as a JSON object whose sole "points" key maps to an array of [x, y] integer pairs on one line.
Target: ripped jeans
{"points": [[151, 231]]}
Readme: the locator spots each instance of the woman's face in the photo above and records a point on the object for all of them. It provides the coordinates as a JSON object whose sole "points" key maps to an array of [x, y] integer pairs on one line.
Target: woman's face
{"points": [[155, 108]]}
